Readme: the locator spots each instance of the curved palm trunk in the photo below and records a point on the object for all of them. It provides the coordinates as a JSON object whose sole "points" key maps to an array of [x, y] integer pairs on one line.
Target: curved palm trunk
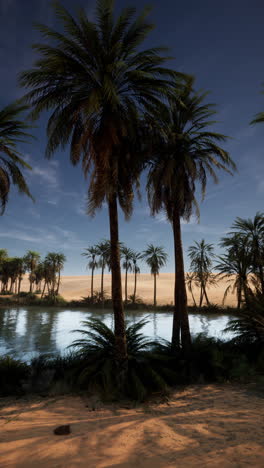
{"points": [[155, 290], [135, 286], [119, 317], [180, 316]]}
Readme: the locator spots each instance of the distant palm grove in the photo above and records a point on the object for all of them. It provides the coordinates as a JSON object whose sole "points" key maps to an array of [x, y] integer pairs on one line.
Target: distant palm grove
{"points": [[117, 109]]}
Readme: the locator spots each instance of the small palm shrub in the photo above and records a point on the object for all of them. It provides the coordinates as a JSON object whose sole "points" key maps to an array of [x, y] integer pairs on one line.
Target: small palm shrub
{"points": [[48, 372], [249, 325], [13, 373], [98, 370]]}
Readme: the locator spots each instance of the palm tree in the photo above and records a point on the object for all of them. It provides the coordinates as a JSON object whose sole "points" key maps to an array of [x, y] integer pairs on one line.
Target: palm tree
{"points": [[234, 266], [91, 253], [201, 255], [136, 270], [127, 254], [253, 232], [103, 250], [21, 270], [259, 117], [39, 275], [31, 260], [155, 258], [98, 81], [12, 131], [186, 153], [55, 262]]}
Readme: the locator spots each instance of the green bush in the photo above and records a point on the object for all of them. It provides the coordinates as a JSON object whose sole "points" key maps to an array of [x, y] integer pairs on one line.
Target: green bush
{"points": [[13, 373]]}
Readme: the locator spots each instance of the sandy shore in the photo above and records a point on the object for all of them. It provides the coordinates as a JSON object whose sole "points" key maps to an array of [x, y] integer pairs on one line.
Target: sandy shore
{"points": [[205, 426], [76, 287]]}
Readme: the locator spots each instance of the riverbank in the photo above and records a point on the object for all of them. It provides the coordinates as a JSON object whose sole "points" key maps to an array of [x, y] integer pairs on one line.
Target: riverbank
{"points": [[205, 425], [35, 300]]}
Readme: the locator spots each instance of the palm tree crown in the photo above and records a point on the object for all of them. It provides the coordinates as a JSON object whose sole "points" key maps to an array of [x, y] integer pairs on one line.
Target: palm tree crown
{"points": [[97, 83], [91, 253], [12, 131], [155, 258], [252, 233], [185, 155], [234, 266], [201, 255]]}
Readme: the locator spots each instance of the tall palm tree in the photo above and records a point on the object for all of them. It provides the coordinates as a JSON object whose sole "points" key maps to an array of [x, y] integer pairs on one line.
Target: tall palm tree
{"points": [[253, 232], [91, 253], [155, 258], [98, 81], [136, 270], [234, 266], [201, 255], [13, 130], [127, 255], [185, 155], [31, 260]]}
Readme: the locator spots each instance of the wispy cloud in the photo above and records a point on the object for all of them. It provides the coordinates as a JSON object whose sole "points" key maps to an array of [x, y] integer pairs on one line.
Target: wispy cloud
{"points": [[46, 175], [54, 237]]}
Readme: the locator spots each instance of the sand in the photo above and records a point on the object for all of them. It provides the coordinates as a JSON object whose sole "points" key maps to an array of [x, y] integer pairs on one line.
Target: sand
{"points": [[76, 287], [201, 426]]}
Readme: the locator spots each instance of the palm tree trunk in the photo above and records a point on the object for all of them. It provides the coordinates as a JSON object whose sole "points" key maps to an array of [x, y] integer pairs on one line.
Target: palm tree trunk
{"points": [[119, 317], [58, 285], [180, 316], [155, 290], [135, 286], [92, 281], [126, 287], [205, 294], [201, 296], [44, 287], [19, 284]]}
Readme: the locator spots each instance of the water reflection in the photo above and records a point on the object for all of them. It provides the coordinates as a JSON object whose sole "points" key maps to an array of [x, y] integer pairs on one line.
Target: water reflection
{"points": [[25, 333]]}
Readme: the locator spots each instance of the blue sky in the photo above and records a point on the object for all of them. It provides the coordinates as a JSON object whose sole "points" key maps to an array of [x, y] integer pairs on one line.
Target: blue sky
{"points": [[221, 43]]}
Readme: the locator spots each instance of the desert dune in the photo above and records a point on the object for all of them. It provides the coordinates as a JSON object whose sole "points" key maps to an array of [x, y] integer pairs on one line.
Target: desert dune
{"points": [[76, 287]]}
